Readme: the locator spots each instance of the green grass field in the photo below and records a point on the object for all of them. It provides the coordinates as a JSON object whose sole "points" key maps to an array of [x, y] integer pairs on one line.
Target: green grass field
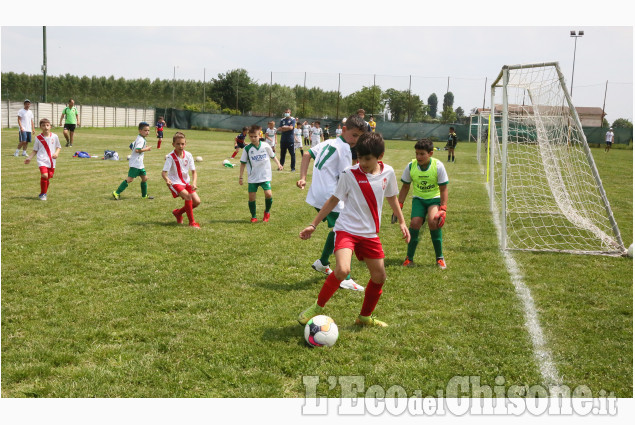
{"points": [[114, 299]]}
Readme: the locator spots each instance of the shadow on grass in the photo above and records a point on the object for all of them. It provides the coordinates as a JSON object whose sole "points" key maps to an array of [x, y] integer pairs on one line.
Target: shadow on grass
{"points": [[297, 286], [287, 333]]}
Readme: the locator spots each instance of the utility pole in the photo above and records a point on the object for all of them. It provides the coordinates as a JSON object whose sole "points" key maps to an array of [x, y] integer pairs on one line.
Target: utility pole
{"points": [[44, 87]]}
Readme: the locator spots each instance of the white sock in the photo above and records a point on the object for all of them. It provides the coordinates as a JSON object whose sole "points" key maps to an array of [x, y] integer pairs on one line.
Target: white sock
{"points": [[17, 151]]}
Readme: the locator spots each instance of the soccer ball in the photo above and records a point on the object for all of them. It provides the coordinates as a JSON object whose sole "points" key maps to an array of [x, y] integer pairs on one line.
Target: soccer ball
{"points": [[198, 158], [166, 157], [343, 120], [129, 156], [630, 251], [321, 331]]}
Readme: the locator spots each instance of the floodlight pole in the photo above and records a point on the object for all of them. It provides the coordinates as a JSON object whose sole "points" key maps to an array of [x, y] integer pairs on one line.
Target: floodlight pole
{"points": [[173, 85], [203, 109], [44, 88], [575, 46]]}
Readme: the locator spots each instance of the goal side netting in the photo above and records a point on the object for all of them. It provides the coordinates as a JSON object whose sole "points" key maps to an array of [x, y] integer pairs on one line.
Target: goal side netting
{"points": [[542, 176]]}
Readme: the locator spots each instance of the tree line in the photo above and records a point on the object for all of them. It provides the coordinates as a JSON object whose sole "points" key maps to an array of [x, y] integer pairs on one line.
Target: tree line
{"points": [[235, 92], [232, 92]]}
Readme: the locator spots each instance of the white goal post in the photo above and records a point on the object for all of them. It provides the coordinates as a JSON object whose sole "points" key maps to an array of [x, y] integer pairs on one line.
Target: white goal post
{"points": [[543, 180]]}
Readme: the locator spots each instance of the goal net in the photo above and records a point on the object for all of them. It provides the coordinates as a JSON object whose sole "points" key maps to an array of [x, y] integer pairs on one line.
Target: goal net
{"points": [[543, 179]]}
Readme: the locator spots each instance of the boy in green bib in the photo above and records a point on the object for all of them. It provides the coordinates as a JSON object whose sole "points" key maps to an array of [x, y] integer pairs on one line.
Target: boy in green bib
{"points": [[429, 198]]}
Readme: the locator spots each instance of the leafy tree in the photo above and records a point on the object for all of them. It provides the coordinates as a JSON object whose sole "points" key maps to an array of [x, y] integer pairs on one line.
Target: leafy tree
{"points": [[448, 100], [460, 116], [234, 88], [404, 105], [448, 116], [433, 105], [622, 123], [368, 98]]}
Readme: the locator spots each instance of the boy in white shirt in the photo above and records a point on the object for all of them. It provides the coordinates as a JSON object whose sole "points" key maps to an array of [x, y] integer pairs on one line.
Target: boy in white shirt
{"points": [[316, 134], [330, 159], [363, 188], [306, 133], [270, 135], [135, 163], [297, 139], [47, 147], [255, 158], [176, 176]]}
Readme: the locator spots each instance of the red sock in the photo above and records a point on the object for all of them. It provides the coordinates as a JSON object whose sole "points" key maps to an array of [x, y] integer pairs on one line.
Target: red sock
{"points": [[43, 185], [48, 183], [371, 297], [234, 154], [159, 144], [331, 284], [188, 211]]}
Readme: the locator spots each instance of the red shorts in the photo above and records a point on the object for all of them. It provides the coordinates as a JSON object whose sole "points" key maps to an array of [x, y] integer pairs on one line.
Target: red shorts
{"points": [[363, 247], [47, 170], [175, 189]]}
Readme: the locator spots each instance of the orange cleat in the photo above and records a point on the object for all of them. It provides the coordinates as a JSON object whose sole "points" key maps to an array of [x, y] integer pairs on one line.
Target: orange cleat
{"points": [[441, 263]]}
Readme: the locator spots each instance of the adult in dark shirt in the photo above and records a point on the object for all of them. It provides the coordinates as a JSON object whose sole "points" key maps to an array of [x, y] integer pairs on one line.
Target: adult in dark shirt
{"points": [[286, 127]]}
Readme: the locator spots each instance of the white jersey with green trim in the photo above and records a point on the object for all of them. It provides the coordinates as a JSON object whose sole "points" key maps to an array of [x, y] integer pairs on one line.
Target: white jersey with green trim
{"points": [[136, 158], [258, 162], [331, 158]]}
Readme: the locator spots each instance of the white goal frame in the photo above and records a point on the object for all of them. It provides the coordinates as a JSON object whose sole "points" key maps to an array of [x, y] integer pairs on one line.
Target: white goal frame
{"points": [[548, 133]]}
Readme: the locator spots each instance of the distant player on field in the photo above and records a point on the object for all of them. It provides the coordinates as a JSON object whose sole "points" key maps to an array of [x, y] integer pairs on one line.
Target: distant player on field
{"points": [[176, 176], [316, 134], [330, 159], [270, 135], [363, 188], [610, 136], [255, 158], [70, 116], [297, 139], [306, 133], [47, 147], [429, 198], [26, 127], [451, 145], [159, 130], [239, 141], [135, 163]]}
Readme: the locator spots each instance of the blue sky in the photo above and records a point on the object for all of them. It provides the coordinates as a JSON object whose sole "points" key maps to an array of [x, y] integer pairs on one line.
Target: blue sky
{"points": [[385, 49]]}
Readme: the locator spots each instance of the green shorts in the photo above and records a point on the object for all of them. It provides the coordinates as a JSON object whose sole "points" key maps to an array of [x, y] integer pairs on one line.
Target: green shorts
{"points": [[420, 206], [136, 172], [331, 218], [253, 187]]}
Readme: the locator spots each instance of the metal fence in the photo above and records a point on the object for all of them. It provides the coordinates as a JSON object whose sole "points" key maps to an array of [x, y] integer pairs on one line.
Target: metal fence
{"points": [[89, 115]]}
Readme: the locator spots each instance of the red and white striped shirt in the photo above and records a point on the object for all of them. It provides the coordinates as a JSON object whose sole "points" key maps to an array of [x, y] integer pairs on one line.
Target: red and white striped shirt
{"points": [[178, 167], [46, 147], [363, 195]]}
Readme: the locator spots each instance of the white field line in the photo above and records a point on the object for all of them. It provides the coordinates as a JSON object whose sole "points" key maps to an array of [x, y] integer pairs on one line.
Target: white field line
{"points": [[541, 352]]}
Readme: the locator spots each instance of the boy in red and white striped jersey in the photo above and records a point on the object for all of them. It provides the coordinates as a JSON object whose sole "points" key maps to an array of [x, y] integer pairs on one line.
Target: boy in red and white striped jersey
{"points": [[47, 147], [176, 176], [363, 188]]}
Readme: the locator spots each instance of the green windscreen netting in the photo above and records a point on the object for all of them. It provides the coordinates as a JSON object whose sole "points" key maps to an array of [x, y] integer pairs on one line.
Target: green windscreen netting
{"points": [[390, 130]]}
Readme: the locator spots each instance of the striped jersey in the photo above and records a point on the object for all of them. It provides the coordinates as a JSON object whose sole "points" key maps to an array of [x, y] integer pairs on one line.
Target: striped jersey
{"points": [[178, 167], [363, 195]]}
